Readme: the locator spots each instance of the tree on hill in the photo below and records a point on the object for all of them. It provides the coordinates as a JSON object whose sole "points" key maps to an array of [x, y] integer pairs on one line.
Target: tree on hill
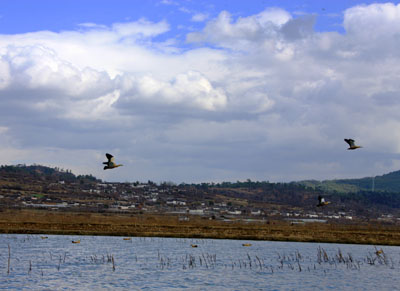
{"points": [[47, 173]]}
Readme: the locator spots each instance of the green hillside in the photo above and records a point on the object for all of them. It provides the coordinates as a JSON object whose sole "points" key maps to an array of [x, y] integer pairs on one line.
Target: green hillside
{"points": [[388, 182], [44, 173]]}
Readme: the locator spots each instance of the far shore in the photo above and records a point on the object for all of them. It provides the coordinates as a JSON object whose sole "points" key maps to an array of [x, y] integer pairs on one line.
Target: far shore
{"points": [[148, 225]]}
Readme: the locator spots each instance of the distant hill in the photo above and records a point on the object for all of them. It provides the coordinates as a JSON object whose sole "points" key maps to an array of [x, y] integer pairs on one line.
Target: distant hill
{"points": [[43, 173], [388, 182], [345, 194], [385, 183]]}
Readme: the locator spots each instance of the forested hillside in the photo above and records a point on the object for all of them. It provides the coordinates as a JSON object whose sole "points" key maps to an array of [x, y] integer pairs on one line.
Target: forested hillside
{"points": [[22, 182], [388, 183]]}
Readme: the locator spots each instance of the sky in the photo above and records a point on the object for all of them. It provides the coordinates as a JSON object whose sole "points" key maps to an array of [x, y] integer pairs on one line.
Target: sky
{"points": [[201, 91]]}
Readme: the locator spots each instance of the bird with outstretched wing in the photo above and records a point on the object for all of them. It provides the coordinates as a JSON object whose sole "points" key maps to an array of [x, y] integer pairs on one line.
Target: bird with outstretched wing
{"points": [[110, 164]]}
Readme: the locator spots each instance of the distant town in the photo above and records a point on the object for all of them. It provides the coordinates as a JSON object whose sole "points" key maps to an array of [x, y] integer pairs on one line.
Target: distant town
{"points": [[39, 187]]}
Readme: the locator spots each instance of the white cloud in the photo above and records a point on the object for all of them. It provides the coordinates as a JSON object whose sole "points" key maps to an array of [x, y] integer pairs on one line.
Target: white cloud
{"points": [[93, 25], [375, 20], [37, 67], [4, 73], [269, 99], [168, 2], [141, 27], [11, 153], [117, 49], [199, 17], [191, 89], [223, 31]]}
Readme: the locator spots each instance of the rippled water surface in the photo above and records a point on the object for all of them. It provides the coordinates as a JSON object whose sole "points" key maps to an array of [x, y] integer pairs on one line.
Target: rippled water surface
{"points": [[104, 263]]}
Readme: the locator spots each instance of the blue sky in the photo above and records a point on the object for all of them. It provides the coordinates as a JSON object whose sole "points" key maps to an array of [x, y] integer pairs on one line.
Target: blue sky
{"points": [[19, 16], [193, 91]]}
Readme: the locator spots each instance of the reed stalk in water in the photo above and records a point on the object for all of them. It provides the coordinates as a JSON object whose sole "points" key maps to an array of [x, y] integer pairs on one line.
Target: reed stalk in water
{"points": [[9, 259]]}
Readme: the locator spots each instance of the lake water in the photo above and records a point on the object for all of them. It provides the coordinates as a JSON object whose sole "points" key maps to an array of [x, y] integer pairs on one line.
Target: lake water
{"points": [[29, 262]]}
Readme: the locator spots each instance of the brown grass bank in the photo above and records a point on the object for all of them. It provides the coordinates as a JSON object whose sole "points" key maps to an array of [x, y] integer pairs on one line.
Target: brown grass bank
{"points": [[46, 222]]}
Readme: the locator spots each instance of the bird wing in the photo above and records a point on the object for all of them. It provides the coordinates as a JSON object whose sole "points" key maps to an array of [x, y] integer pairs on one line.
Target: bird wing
{"points": [[109, 157], [350, 142]]}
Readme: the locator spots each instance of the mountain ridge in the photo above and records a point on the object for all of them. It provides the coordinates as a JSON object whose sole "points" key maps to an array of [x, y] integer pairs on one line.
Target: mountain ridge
{"points": [[389, 182]]}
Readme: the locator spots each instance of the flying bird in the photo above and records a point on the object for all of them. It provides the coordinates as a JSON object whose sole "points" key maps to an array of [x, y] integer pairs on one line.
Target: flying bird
{"points": [[322, 202], [110, 164], [351, 143]]}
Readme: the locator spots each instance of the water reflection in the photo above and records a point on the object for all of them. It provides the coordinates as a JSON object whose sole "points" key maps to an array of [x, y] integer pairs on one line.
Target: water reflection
{"points": [[100, 262]]}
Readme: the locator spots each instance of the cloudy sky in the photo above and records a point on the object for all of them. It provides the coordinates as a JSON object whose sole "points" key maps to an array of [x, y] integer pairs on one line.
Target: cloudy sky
{"points": [[201, 91]]}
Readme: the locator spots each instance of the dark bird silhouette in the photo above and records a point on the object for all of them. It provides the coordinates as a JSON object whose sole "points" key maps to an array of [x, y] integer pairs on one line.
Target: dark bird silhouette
{"points": [[110, 164], [322, 202], [351, 143]]}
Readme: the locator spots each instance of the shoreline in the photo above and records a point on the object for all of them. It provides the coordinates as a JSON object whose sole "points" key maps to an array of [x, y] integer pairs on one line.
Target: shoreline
{"points": [[148, 225]]}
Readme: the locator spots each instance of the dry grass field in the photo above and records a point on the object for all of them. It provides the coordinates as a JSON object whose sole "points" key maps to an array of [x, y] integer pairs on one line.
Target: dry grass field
{"points": [[46, 222]]}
